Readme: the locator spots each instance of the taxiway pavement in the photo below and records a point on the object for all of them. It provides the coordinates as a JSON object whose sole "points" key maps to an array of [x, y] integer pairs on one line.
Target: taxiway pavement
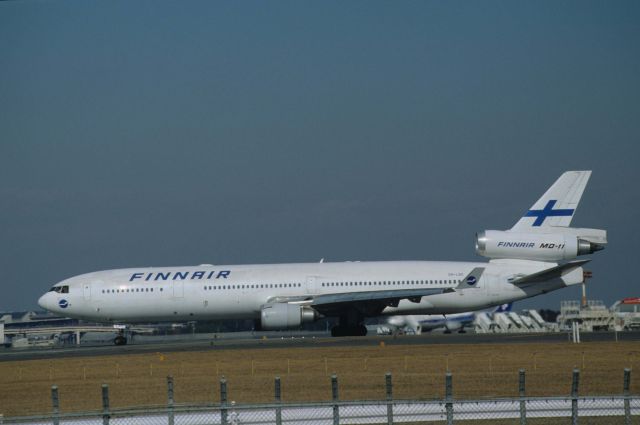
{"points": [[182, 343]]}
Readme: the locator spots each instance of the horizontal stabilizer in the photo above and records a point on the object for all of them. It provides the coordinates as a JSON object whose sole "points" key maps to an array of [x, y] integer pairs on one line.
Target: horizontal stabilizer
{"points": [[549, 274]]}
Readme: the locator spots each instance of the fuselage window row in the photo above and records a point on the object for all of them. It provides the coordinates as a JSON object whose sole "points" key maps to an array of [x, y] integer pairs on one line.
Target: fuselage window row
{"points": [[255, 286], [131, 290], [393, 282], [296, 285]]}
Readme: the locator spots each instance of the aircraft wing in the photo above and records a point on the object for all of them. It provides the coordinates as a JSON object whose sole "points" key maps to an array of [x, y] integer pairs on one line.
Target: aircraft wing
{"points": [[368, 302], [548, 274]]}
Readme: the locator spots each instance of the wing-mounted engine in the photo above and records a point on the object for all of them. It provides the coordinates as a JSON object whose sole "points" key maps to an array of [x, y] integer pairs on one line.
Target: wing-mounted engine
{"points": [[285, 316], [552, 244]]}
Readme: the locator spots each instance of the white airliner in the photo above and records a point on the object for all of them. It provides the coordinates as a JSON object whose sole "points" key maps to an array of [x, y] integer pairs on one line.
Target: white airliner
{"points": [[416, 324], [524, 263]]}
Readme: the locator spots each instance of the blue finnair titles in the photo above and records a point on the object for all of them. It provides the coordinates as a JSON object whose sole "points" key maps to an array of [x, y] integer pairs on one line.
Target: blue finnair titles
{"points": [[516, 244], [199, 275]]}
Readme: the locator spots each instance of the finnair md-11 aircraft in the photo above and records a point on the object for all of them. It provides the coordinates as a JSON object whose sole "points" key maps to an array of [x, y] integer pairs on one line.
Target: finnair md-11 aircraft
{"points": [[524, 262]]}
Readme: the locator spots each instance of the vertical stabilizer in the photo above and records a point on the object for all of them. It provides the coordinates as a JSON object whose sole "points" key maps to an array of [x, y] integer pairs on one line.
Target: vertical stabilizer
{"points": [[556, 207]]}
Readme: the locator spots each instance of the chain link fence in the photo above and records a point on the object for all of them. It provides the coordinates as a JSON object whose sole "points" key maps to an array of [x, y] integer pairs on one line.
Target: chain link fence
{"points": [[593, 410]]}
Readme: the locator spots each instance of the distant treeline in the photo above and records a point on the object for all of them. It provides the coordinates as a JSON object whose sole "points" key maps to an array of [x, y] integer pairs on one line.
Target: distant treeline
{"points": [[549, 315]]}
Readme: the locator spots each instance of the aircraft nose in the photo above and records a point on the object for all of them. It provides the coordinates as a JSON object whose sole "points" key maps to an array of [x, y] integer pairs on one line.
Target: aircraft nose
{"points": [[44, 301]]}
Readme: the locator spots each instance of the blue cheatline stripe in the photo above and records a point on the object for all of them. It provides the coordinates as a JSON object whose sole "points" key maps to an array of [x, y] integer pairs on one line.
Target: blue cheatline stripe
{"points": [[548, 211]]}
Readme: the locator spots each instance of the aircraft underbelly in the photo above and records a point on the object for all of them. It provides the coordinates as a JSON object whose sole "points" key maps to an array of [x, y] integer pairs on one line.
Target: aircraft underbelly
{"points": [[176, 309]]}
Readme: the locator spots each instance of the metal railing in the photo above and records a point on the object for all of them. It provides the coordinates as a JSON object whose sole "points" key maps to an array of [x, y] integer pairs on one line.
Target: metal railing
{"points": [[622, 409]]}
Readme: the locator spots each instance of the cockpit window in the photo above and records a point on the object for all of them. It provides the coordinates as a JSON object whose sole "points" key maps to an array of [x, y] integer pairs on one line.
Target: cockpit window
{"points": [[60, 289]]}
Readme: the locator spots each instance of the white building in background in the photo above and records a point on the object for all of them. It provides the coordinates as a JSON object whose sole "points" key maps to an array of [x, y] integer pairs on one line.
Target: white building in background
{"points": [[512, 322], [594, 316], [627, 313]]}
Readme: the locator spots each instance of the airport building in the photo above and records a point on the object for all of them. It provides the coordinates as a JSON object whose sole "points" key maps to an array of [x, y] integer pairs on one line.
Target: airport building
{"points": [[627, 313], [592, 315], [588, 315], [22, 328]]}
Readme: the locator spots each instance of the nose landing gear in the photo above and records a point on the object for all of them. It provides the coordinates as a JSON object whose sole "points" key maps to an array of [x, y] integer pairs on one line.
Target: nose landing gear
{"points": [[121, 338]]}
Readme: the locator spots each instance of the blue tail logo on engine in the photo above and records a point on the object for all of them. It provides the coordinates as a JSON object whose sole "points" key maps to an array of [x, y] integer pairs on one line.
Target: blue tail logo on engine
{"points": [[548, 211], [503, 308]]}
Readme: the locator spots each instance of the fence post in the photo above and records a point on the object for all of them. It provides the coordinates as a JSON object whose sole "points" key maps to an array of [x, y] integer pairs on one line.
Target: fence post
{"points": [[448, 397], [389, 390], [170, 399], [55, 403], [523, 402], [626, 393], [223, 401], [574, 396], [278, 396], [334, 396], [105, 404]]}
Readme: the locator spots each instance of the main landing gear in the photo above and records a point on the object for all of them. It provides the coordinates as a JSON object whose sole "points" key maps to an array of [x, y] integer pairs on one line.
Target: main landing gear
{"points": [[120, 339], [349, 324], [357, 330]]}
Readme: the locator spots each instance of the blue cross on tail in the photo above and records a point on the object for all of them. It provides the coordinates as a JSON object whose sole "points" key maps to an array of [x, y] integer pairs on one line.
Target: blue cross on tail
{"points": [[548, 211]]}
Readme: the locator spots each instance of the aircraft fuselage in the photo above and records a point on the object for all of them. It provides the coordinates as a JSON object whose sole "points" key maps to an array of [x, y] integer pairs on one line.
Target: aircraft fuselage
{"points": [[208, 292]]}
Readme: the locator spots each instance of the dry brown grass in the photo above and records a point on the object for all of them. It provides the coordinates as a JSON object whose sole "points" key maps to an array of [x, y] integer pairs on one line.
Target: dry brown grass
{"points": [[481, 370]]}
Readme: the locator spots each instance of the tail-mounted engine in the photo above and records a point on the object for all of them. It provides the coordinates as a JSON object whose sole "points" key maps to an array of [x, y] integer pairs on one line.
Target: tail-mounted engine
{"points": [[567, 244]]}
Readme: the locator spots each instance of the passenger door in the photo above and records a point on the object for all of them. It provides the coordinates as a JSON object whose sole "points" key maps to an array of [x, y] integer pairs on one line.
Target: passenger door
{"points": [[311, 285], [493, 288]]}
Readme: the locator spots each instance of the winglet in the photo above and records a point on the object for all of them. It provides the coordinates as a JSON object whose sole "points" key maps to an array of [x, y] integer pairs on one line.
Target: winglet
{"points": [[471, 280]]}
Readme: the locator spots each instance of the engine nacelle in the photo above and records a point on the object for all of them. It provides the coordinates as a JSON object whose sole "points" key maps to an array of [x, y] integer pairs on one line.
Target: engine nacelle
{"points": [[284, 316], [533, 246]]}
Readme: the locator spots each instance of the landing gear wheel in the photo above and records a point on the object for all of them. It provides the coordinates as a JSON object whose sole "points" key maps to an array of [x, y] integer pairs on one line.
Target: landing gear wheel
{"points": [[120, 340], [358, 330]]}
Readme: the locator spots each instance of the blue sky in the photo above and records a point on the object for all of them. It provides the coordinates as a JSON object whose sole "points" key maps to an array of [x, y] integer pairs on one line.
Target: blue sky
{"points": [[175, 133]]}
